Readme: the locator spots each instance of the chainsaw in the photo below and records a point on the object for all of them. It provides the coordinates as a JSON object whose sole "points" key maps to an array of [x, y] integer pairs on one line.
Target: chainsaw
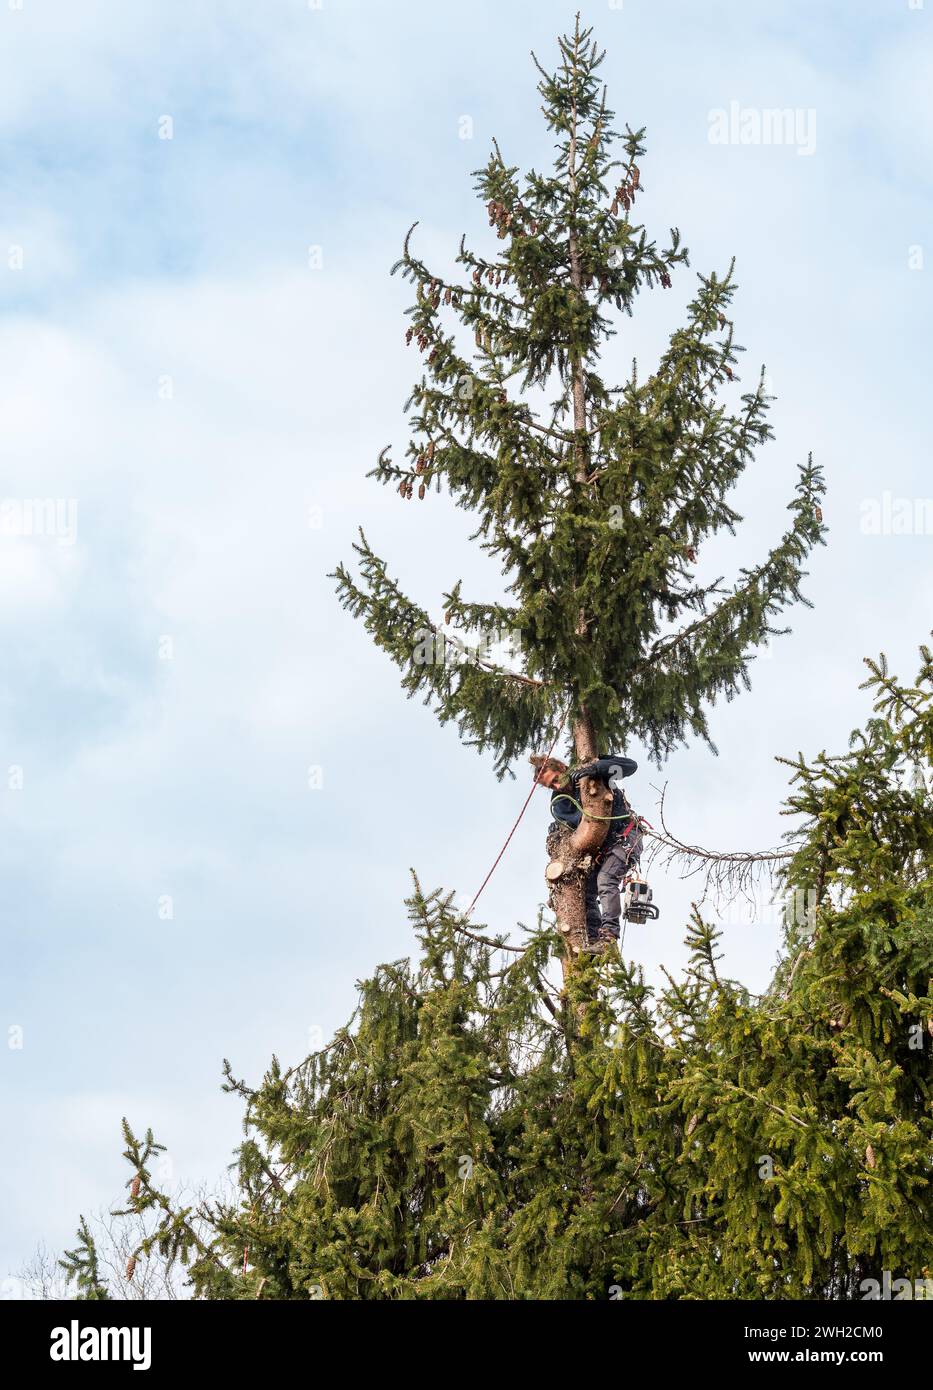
{"points": [[636, 901]]}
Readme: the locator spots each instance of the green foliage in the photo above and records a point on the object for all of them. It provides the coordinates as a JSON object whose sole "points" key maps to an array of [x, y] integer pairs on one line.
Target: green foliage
{"points": [[82, 1265], [473, 1134], [594, 498]]}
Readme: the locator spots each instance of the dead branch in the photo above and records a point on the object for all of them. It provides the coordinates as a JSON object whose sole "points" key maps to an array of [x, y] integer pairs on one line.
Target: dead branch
{"points": [[725, 874]]}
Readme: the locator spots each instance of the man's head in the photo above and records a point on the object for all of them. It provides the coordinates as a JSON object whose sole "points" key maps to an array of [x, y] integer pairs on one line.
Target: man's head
{"points": [[550, 772]]}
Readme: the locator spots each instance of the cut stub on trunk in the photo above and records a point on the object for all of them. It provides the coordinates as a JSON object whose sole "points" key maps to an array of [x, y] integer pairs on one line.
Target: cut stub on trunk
{"points": [[571, 858]]}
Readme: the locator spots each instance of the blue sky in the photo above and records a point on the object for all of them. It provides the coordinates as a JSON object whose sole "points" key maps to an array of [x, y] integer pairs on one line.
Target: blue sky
{"points": [[170, 362]]}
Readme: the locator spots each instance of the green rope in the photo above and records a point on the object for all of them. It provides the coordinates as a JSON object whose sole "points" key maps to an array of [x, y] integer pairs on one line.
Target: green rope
{"points": [[565, 796]]}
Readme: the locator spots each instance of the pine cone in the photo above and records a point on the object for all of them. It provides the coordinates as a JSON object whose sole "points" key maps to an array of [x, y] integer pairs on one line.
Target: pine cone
{"points": [[421, 491], [131, 1267], [135, 1186], [870, 1156]]}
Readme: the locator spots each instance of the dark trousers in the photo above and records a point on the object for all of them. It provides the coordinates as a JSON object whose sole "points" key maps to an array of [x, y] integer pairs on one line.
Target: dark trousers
{"points": [[604, 884]]}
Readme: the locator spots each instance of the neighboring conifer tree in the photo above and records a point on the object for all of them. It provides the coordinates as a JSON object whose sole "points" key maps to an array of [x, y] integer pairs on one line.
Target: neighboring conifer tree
{"points": [[594, 498], [458, 1140]]}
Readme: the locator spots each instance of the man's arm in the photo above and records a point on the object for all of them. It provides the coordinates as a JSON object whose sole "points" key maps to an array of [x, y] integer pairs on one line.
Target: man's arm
{"points": [[563, 809], [609, 770]]}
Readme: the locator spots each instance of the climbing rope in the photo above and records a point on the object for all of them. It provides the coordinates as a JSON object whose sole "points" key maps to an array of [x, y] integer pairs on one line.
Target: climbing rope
{"points": [[502, 851]]}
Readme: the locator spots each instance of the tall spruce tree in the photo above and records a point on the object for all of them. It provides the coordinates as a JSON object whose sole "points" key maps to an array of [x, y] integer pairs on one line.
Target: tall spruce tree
{"points": [[595, 499], [457, 1139]]}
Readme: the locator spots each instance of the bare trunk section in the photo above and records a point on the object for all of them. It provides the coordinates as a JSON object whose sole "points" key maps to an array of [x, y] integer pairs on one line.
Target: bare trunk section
{"points": [[572, 853]]}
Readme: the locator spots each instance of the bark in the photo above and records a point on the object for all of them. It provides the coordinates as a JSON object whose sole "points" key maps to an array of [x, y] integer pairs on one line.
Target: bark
{"points": [[584, 738], [572, 852]]}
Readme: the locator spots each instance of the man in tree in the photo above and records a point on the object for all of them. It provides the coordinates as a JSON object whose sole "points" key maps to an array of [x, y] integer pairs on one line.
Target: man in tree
{"points": [[619, 853], [595, 493]]}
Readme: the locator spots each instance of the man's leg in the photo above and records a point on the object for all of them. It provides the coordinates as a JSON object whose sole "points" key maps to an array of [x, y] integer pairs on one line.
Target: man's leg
{"points": [[609, 882]]}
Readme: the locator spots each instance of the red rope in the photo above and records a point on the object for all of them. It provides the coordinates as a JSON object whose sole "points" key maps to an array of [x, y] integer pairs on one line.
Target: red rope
{"points": [[518, 820]]}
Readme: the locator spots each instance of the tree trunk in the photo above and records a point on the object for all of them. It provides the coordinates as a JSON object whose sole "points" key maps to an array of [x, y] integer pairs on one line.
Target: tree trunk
{"points": [[571, 852], [584, 738]]}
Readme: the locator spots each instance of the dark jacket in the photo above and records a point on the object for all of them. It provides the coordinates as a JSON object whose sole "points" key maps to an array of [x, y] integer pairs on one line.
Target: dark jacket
{"points": [[609, 771]]}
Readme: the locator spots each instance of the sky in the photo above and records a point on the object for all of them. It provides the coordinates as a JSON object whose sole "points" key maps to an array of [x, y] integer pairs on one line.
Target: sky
{"points": [[212, 788]]}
